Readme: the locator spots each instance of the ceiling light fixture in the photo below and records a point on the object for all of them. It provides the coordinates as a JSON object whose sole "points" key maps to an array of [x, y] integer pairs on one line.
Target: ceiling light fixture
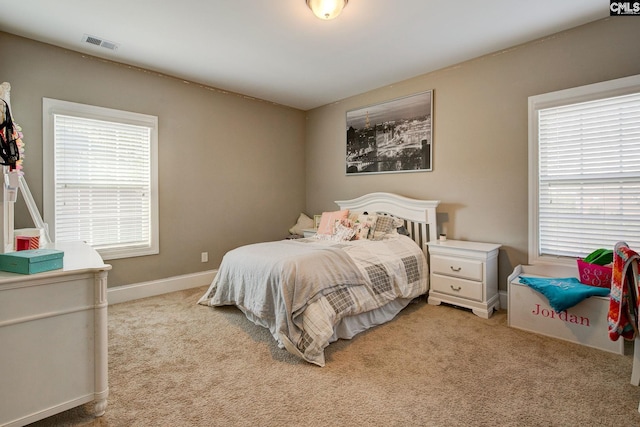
{"points": [[327, 9]]}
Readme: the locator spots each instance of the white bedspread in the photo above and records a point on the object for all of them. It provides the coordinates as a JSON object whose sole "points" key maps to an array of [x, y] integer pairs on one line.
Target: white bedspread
{"points": [[300, 289]]}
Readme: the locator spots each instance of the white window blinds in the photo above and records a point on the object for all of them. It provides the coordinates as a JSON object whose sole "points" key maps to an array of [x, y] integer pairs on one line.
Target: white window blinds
{"points": [[589, 176], [103, 189]]}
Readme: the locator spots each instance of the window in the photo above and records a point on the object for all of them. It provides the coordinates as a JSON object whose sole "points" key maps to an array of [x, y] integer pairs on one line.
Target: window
{"points": [[100, 178], [584, 170]]}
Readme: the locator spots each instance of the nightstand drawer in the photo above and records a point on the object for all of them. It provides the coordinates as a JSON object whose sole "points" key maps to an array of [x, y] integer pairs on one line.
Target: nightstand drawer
{"points": [[458, 287], [457, 267]]}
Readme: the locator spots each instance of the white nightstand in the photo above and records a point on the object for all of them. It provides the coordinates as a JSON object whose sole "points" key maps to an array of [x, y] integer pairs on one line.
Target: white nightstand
{"points": [[464, 274]]}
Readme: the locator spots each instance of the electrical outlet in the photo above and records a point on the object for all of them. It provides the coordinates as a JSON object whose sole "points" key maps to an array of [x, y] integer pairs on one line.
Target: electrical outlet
{"points": [[204, 256]]}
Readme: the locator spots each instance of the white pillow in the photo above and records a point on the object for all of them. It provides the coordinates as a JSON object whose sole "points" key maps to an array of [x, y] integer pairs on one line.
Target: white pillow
{"points": [[303, 222]]}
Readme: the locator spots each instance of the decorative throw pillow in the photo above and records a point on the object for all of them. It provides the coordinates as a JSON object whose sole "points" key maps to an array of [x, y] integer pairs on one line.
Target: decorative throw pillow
{"points": [[353, 216], [344, 231], [397, 222], [398, 226], [328, 219], [361, 230], [303, 222], [384, 224], [363, 226]]}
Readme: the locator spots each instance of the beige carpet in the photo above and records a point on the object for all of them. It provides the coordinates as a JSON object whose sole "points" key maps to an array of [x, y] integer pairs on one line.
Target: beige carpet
{"points": [[175, 363]]}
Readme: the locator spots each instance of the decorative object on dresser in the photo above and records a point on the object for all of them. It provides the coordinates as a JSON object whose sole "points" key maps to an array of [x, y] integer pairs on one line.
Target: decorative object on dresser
{"points": [[464, 274], [31, 261]]}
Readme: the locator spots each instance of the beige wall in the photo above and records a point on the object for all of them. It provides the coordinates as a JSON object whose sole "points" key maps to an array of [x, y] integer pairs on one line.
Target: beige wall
{"points": [[235, 170], [480, 132], [231, 169]]}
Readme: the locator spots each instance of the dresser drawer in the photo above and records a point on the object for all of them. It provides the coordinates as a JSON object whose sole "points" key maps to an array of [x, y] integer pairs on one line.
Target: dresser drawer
{"points": [[457, 267], [458, 287], [55, 295]]}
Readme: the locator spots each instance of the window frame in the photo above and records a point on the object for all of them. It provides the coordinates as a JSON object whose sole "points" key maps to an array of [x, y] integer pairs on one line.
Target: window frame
{"points": [[596, 91], [52, 107]]}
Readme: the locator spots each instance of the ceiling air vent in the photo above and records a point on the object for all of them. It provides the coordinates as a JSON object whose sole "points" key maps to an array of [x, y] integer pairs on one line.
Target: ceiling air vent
{"points": [[97, 41]]}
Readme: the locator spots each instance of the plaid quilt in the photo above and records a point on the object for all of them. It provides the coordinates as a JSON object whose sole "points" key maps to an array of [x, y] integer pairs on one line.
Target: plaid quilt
{"points": [[300, 289]]}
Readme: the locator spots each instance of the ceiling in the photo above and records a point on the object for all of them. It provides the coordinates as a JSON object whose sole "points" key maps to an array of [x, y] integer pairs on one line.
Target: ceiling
{"points": [[277, 50]]}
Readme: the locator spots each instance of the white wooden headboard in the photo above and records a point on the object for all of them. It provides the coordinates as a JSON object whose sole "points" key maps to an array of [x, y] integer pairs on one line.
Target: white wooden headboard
{"points": [[419, 215]]}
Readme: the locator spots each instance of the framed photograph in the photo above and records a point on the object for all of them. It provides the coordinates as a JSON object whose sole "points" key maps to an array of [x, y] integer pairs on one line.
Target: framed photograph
{"points": [[316, 221], [395, 136]]}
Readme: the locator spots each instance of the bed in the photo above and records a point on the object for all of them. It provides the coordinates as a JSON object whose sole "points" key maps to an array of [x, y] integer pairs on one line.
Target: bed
{"points": [[360, 270]]}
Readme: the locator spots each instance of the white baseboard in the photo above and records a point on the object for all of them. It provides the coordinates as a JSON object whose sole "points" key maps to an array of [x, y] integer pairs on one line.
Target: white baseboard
{"points": [[504, 300], [126, 293]]}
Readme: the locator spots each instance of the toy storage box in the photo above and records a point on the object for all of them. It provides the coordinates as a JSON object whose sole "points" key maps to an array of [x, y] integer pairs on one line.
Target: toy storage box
{"points": [[584, 323]]}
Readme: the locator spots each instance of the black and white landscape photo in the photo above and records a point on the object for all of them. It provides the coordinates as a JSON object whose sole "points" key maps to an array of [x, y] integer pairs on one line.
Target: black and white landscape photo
{"points": [[394, 136]]}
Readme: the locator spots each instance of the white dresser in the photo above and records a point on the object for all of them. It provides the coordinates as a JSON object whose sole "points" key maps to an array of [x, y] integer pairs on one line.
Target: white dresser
{"points": [[53, 338], [464, 274]]}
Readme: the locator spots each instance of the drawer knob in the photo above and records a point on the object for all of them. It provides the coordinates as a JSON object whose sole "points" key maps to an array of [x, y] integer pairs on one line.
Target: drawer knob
{"points": [[455, 269], [457, 289]]}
